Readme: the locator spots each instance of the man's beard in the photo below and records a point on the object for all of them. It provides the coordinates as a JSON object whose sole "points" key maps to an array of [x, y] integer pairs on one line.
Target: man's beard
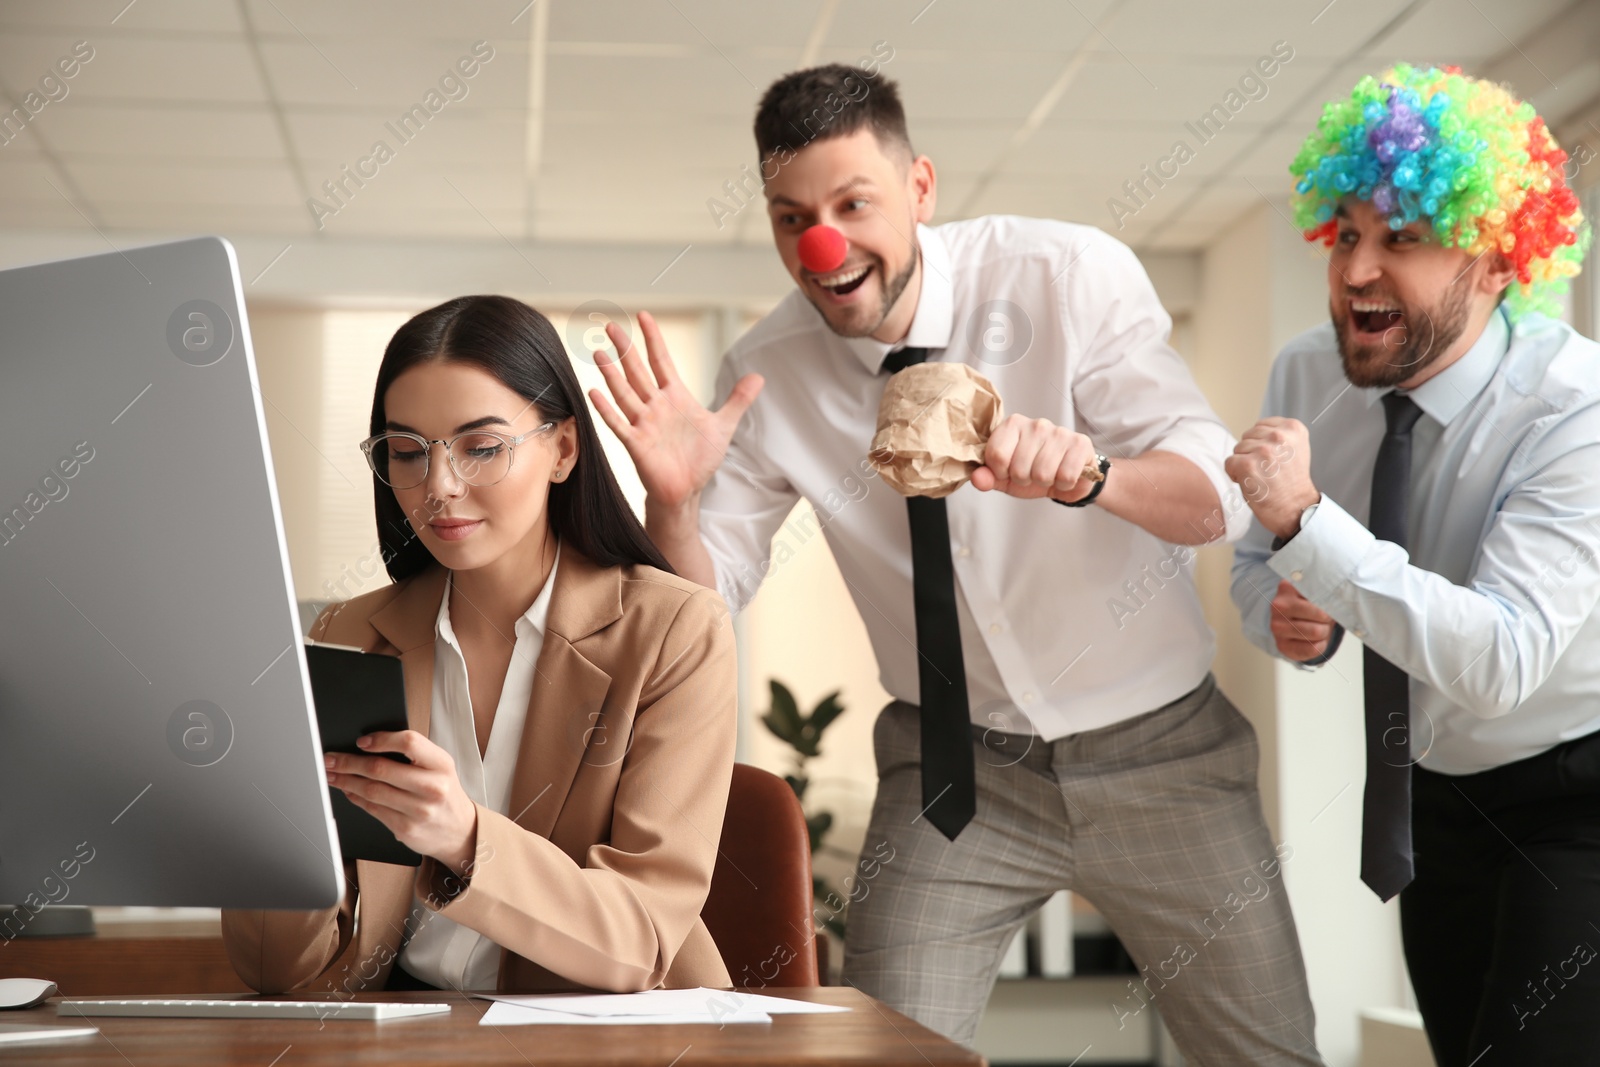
{"points": [[892, 288], [1404, 351]]}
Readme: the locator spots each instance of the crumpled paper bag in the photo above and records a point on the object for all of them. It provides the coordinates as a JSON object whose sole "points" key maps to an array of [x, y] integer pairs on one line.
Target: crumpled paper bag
{"points": [[933, 423]]}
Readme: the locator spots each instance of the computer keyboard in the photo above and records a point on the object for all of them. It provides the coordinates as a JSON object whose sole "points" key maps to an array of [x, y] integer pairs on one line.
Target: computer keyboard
{"points": [[250, 1009]]}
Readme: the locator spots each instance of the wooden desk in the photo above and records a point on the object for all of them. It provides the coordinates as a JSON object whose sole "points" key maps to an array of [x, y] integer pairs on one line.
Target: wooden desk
{"points": [[869, 1033]]}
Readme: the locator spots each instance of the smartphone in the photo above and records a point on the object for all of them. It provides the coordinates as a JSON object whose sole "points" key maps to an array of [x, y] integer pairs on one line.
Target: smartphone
{"points": [[359, 693]]}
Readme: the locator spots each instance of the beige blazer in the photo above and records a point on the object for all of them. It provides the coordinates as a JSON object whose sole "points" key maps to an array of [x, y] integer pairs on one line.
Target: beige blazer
{"points": [[596, 878]]}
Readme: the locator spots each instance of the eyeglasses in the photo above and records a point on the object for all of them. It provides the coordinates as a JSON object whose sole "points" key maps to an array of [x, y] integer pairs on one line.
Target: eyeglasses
{"points": [[478, 457]]}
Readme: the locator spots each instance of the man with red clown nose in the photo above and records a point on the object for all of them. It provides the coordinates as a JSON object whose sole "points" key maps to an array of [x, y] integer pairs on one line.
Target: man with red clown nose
{"points": [[1055, 722], [1426, 479]]}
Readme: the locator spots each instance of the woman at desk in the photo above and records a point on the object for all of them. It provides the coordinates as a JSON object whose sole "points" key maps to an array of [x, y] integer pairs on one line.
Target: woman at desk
{"points": [[571, 701]]}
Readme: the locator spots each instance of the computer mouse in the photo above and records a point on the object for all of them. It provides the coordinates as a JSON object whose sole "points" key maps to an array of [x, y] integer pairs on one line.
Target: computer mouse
{"points": [[25, 992]]}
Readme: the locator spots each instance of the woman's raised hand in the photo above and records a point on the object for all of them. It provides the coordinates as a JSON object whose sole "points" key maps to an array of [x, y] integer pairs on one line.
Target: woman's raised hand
{"points": [[675, 443]]}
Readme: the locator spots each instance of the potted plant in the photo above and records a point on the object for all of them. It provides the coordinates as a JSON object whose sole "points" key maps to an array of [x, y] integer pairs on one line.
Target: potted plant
{"points": [[803, 734]]}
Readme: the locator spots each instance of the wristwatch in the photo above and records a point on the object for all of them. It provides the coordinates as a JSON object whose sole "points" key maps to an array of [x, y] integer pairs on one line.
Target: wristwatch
{"points": [[1102, 464], [1305, 517]]}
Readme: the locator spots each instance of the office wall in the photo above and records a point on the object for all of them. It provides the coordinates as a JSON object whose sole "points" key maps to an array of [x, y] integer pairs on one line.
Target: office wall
{"points": [[289, 352], [1233, 352]]}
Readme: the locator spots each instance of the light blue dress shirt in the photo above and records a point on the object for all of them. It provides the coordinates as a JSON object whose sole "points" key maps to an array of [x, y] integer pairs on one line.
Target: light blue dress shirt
{"points": [[1491, 611]]}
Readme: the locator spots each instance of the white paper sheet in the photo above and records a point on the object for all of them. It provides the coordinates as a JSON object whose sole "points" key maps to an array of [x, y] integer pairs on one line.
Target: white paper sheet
{"points": [[503, 1014], [679, 1005]]}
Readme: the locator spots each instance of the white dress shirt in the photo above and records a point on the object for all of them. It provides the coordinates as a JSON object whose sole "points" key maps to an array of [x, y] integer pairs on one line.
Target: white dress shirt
{"points": [[441, 951], [1490, 607], [1071, 616]]}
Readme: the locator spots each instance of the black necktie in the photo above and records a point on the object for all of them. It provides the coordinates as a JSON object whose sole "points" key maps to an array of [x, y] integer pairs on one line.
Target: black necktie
{"points": [[1386, 803], [949, 796]]}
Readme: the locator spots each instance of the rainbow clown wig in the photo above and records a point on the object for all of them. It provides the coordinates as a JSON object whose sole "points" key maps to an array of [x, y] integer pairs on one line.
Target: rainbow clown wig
{"points": [[1461, 154]]}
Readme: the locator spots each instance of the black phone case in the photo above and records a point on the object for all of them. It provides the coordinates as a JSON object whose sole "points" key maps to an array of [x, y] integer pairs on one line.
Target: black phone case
{"points": [[357, 693]]}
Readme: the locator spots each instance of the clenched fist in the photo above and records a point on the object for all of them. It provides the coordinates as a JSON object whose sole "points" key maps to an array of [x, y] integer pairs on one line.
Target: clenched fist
{"points": [[1301, 629], [1272, 465], [1033, 458]]}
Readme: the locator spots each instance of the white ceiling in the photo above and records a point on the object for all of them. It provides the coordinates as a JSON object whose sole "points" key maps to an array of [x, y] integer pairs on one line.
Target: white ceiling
{"points": [[614, 121]]}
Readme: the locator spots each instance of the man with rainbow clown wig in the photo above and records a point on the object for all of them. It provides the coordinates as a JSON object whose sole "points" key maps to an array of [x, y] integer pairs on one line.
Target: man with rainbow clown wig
{"points": [[1425, 479]]}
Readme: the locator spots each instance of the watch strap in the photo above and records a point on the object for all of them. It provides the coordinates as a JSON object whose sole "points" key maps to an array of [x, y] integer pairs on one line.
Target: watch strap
{"points": [[1105, 465]]}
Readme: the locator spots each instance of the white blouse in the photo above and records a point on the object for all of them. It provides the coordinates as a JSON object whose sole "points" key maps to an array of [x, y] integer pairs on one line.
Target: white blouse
{"points": [[441, 951]]}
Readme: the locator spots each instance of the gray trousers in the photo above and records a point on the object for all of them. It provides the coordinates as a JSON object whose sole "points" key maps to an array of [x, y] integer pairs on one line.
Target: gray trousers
{"points": [[1155, 820]]}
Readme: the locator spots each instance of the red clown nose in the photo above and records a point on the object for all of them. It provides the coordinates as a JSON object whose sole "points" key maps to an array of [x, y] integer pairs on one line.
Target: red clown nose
{"points": [[822, 249]]}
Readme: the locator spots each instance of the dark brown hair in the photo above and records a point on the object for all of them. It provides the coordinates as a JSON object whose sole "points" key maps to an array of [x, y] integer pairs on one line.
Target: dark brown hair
{"points": [[522, 350], [829, 101]]}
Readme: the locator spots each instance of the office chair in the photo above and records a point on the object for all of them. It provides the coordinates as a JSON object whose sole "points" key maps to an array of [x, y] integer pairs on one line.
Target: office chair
{"points": [[759, 907]]}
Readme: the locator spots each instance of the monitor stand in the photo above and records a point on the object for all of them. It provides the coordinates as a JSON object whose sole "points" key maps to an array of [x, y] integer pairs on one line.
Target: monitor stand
{"points": [[64, 920]]}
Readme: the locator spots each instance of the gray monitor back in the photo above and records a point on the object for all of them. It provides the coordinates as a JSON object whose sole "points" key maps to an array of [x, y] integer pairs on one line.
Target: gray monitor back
{"points": [[157, 738]]}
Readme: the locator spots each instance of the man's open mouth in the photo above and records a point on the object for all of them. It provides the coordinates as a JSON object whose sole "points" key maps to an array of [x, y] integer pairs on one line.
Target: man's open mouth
{"points": [[1375, 316], [841, 282]]}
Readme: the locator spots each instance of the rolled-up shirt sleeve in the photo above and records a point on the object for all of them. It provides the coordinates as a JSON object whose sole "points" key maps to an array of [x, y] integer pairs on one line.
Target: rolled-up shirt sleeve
{"points": [[743, 505], [1133, 391]]}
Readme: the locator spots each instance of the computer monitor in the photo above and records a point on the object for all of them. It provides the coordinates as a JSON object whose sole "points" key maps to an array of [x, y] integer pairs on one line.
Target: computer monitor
{"points": [[157, 738]]}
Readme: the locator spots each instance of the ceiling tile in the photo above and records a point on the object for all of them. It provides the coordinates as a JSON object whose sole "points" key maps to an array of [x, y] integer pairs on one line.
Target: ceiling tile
{"points": [[1016, 27], [627, 224], [677, 87], [1185, 92], [437, 217], [1118, 153], [1465, 33], [104, 19], [389, 77], [197, 185], [649, 106], [465, 20], [1268, 162], [482, 139], [1240, 33], [156, 69], [685, 22], [991, 89], [598, 141], [194, 131]]}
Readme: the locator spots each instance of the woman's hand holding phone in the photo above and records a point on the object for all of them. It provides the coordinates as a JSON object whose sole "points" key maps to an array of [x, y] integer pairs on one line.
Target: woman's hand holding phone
{"points": [[421, 802]]}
